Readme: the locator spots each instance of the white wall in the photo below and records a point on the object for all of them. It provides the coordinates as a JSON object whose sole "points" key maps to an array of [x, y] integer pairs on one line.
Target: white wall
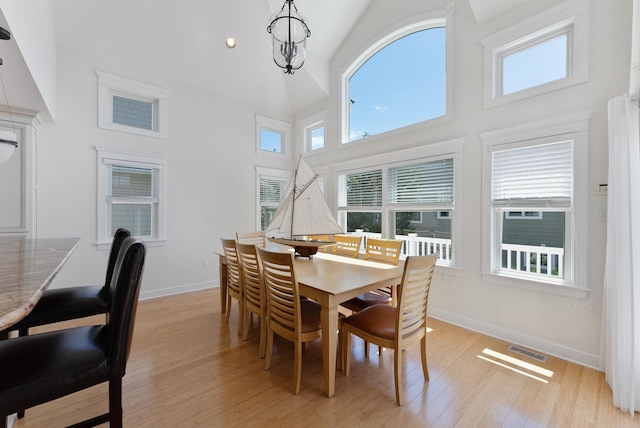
{"points": [[563, 326], [210, 152], [211, 162]]}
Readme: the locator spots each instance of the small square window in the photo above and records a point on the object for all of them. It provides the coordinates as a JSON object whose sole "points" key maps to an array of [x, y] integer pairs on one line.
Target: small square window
{"points": [[270, 141]]}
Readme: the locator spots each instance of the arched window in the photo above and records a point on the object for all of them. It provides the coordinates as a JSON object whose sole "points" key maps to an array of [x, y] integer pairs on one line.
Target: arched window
{"points": [[399, 81]]}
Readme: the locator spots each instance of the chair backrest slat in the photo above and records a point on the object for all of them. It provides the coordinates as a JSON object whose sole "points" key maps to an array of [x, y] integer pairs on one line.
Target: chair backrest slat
{"points": [[257, 237], [233, 266], [384, 250], [347, 245], [413, 295], [250, 275], [281, 289]]}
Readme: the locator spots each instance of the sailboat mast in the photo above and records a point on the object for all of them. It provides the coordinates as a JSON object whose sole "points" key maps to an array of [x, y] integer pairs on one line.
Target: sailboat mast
{"points": [[293, 199]]}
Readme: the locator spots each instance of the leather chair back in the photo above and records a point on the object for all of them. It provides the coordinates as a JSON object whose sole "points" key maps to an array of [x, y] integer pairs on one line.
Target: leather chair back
{"points": [[118, 239], [123, 303]]}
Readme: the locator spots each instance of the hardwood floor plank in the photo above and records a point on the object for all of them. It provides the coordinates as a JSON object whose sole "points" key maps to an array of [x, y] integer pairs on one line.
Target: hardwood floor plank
{"points": [[188, 368]]}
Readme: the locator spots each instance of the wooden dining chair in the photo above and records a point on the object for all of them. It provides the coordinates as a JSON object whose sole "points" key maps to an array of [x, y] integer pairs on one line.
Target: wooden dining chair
{"points": [[383, 251], [288, 316], [254, 295], [324, 238], [397, 327], [347, 245], [235, 289], [67, 303], [257, 237]]}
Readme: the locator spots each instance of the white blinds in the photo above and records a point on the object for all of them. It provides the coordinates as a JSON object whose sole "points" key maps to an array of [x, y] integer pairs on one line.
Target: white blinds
{"points": [[271, 190], [533, 175], [427, 182], [363, 189]]}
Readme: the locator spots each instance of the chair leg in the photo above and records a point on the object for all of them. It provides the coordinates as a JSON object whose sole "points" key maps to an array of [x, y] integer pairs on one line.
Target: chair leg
{"points": [[346, 352], [240, 316], [267, 355], [245, 324], [423, 352], [228, 309], [23, 332], [366, 348], [397, 374], [263, 336], [115, 403], [297, 367]]}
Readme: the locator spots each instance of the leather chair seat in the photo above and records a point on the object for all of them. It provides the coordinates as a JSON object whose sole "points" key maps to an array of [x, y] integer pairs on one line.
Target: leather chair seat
{"points": [[62, 304], [379, 320], [79, 363], [310, 312], [365, 300]]}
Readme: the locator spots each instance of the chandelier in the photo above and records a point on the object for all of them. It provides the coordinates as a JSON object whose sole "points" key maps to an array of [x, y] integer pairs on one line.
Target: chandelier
{"points": [[289, 34]]}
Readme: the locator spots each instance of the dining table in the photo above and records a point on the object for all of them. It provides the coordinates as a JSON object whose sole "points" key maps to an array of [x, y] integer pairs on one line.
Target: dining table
{"points": [[27, 268], [330, 280]]}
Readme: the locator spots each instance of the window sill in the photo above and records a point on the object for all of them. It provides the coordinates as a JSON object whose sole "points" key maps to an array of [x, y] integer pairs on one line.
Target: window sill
{"points": [[147, 242], [534, 285]]}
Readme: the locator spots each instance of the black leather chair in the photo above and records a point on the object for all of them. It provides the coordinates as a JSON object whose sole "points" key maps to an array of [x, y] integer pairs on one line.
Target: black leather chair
{"points": [[62, 304], [43, 367]]}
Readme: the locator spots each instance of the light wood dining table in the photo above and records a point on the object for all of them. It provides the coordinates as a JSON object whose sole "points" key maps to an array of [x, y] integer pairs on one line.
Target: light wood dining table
{"points": [[330, 280], [27, 267]]}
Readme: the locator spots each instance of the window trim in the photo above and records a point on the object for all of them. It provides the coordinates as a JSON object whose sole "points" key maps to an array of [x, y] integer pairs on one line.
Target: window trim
{"points": [[571, 18], [110, 85], [277, 126], [108, 156], [417, 23], [429, 151], [577, 125]]}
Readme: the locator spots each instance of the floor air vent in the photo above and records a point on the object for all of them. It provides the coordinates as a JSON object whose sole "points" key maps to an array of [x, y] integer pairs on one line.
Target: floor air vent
{"points": [[528, 353]]}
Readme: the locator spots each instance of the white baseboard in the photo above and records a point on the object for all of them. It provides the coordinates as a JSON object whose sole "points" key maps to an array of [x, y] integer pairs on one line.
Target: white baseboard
{"points": [[144, 295], [549, 348]]}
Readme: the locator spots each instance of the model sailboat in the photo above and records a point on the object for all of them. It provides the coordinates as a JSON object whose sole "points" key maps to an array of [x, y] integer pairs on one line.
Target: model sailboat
{"points": [[303, 212]]}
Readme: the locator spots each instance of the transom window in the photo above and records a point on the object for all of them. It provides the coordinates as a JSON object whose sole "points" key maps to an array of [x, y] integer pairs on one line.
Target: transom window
{"points": [[130, 106], [547, 52], [272, 135], [399, 81]]}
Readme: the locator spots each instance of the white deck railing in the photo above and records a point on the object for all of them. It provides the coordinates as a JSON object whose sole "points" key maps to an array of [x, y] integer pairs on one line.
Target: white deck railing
{"points": [[544, 261], [414, 245]]}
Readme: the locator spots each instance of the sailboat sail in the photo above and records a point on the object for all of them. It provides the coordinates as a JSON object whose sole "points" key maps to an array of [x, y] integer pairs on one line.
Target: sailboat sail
{"points": [[303, 210]]}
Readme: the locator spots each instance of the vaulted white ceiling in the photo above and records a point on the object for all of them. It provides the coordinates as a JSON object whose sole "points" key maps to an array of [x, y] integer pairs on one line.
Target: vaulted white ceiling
{"points": [[184, 41]]}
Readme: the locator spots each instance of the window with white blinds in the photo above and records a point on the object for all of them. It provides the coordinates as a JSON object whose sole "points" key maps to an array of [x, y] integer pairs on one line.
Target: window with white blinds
{"points": [[428, 182], [361, 189], [130, 195], [133, 199], [535, 175], [272, 185]]}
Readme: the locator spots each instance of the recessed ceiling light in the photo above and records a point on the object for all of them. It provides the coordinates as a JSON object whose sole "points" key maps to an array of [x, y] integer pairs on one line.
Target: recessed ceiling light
{"points": [[230, 42]]}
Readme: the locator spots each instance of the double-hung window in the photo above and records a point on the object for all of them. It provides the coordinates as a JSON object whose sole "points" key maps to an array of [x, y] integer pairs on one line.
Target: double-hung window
{"points": [[531, 196], [412, 200], [272, 185], [130, 195]]}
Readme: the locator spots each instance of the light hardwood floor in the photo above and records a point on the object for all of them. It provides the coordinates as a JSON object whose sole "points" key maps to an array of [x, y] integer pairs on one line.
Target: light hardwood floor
{"points": [[190, 369]]}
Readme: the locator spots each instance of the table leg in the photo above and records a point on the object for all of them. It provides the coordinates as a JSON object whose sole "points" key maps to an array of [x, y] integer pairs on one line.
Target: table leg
{"points": [[222, 265], [329, 320]]}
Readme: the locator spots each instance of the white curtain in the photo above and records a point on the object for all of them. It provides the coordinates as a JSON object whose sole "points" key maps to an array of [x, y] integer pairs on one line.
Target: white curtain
{"points": [[622, 268]]}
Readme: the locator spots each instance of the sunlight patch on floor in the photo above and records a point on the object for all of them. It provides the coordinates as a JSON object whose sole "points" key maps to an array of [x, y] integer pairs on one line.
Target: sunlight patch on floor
{"points": [[509, 362]]}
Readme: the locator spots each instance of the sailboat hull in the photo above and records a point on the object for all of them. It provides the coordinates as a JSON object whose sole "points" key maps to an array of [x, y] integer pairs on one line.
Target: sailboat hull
{"points": [[303, 248]]}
